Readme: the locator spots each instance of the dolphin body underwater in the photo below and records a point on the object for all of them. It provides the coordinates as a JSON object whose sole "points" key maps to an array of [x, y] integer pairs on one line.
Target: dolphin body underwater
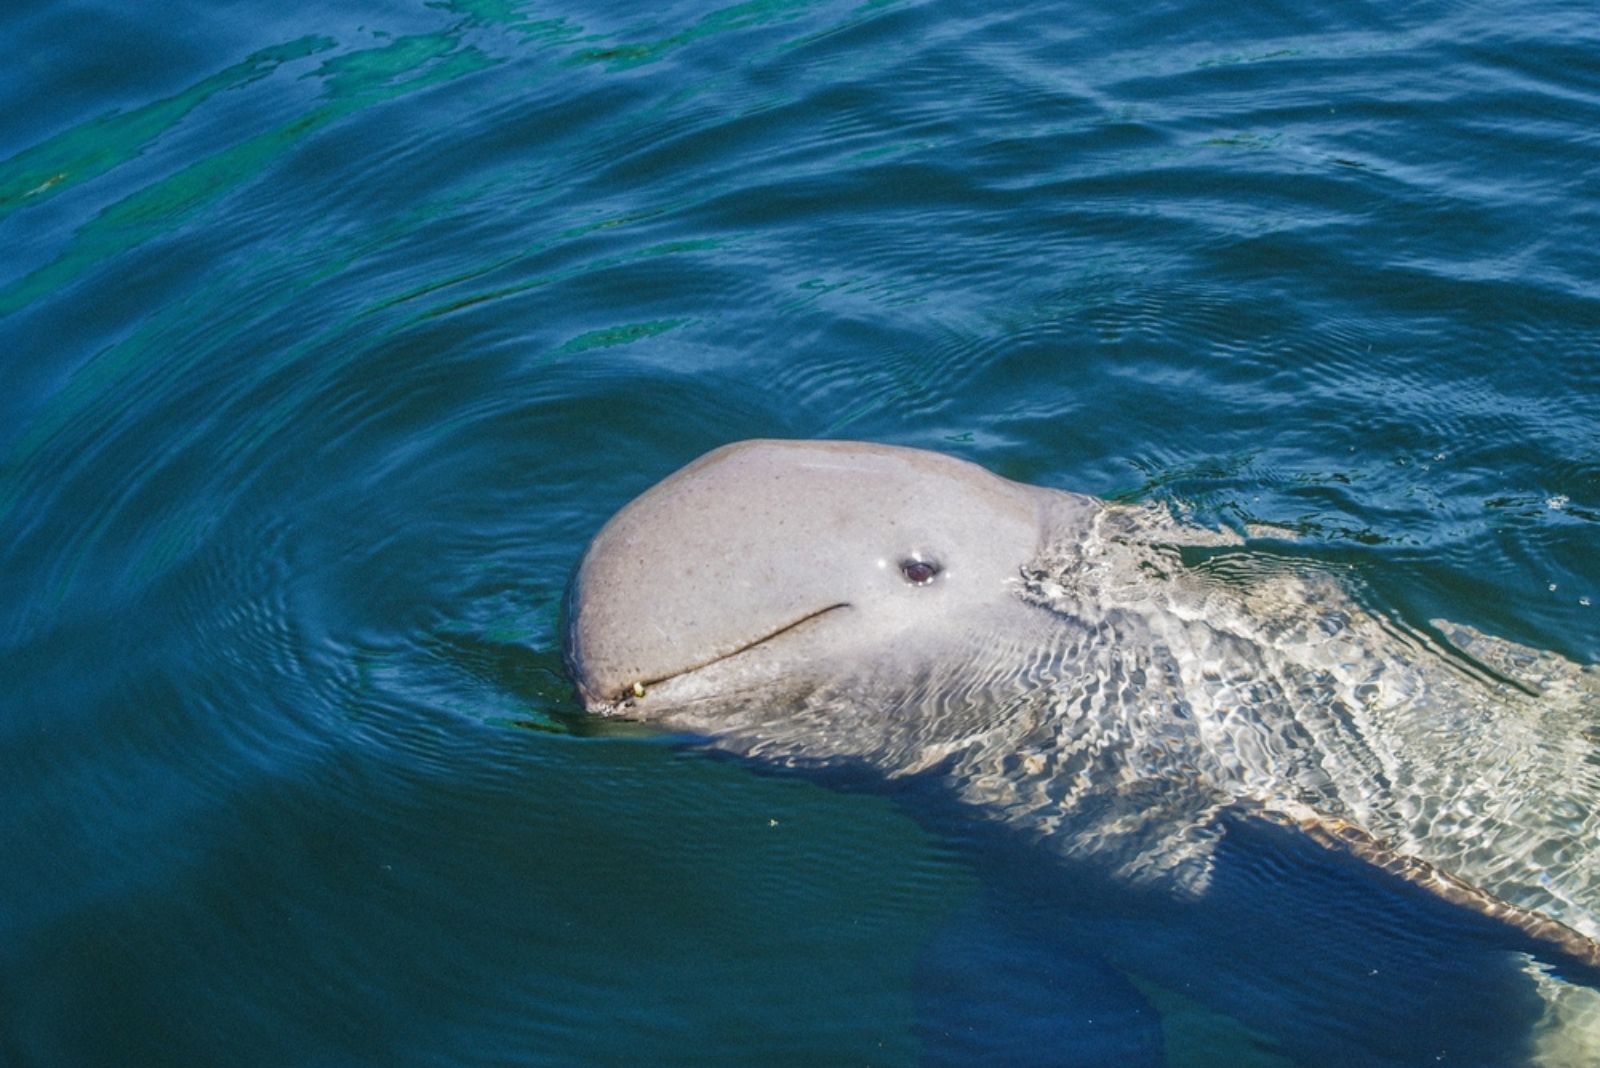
{"points": [[1098, 676]]}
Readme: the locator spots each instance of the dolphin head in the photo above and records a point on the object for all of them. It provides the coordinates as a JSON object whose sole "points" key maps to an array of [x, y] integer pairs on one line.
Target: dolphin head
{"points": [[769, 571]]}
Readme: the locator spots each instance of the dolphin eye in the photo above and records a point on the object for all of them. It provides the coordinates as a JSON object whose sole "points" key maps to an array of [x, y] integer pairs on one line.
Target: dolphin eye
{"points": [[919, 572]]}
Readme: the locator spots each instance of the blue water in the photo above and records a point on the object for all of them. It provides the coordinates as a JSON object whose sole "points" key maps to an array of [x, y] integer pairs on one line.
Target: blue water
{"points": [[329, 336]]}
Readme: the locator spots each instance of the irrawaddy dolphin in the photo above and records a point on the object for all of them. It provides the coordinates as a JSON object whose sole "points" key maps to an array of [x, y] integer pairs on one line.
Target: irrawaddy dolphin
{"points": [[1103, 675]]}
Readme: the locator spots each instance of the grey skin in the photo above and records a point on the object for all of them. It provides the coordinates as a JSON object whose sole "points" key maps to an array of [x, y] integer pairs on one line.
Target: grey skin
{"points": [[1101, 675]]}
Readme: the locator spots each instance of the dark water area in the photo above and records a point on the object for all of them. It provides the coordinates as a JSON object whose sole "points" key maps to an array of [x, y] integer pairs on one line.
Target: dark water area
{"points": [[328, 336]]}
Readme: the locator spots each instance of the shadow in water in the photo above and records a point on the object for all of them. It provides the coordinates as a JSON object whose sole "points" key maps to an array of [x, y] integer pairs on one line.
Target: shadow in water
{"points": [[1293, 955]]}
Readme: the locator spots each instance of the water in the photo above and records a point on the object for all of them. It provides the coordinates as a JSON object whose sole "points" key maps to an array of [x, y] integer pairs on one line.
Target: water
{"points": [[326, 341]]}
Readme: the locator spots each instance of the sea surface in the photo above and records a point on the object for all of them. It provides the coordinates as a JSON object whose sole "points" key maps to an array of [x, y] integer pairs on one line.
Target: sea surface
{"points": [[329, 334]]}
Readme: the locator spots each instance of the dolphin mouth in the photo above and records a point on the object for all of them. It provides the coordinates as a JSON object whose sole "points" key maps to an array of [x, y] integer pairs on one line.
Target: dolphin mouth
{"points": [[629, 695]]}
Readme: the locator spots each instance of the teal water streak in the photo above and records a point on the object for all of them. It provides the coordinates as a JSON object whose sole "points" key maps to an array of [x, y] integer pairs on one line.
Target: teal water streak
{"points": [[88, 151], [353, 81]]}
